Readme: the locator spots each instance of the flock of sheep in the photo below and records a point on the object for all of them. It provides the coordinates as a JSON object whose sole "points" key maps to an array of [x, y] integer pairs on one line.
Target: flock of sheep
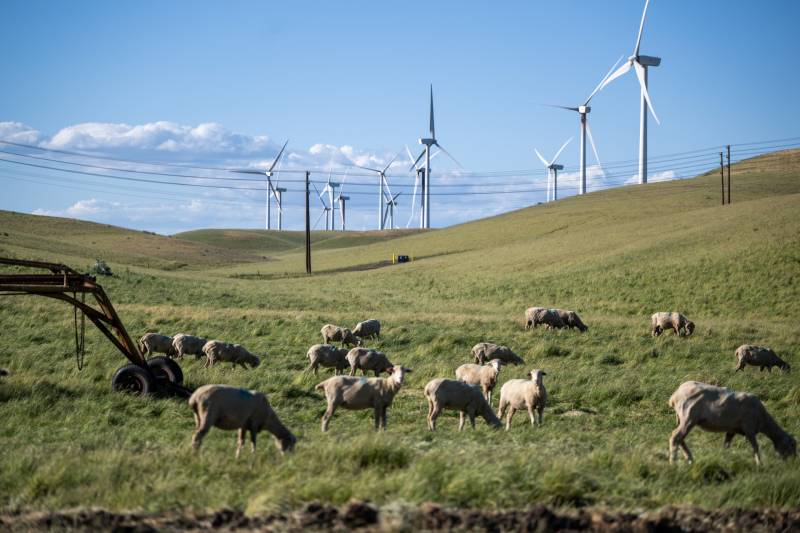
{"points": [[709, 407]]}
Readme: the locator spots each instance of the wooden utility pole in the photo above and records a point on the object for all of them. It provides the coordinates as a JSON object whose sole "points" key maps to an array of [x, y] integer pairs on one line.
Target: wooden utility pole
{"points": [[722, 176], [308, 228], [729, 174]]}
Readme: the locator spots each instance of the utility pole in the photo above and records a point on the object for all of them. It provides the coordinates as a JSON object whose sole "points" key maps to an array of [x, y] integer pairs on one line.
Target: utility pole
{"points": [[729, 174], [722, 176], [308, 228]]}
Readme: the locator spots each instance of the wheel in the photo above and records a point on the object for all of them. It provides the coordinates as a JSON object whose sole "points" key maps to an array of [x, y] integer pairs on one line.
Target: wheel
{"points": [[166, 368], [133, 379]]}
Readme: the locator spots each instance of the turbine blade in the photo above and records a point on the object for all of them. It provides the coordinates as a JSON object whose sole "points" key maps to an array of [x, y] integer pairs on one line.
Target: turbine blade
{"points": [[318, 218], [386, 186], [395, 196], [641, 28], [433, 130], [555, 157], [594, 149], [414, 164], [248, 171], [434, 154], [367, 168], [278, 157], [542, 159], [413, 201], [600, 85], [344, 179], [410, 158], [390, 164], [450, 156], [621, 71], [561, 107], [640, 75]]}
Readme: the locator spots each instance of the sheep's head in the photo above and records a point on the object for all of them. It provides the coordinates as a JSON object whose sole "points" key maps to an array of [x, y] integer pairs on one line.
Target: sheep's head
{"points": [[786, 446], [286, 443], [349, 338], [536, 375], [254, 361], [496, 364], [658, 330], [785, 367], [689, 327], [399, 372]]}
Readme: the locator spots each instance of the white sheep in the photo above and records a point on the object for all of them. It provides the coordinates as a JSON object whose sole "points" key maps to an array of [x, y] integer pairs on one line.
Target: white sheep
{"points": [[483, 376], [332, 333], [659, 322], [226, 407], [486, 351], [760, 356], [466, 399], [368, 329], [368, 359], [151, 343], [219, 351], [542, 315], [183, 344], [722, 410], [327, 356], [362, 393], [523, 394]]}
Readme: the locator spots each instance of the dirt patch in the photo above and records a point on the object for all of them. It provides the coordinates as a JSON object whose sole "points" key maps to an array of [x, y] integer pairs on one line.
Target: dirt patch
{"points": [[429, 517]]}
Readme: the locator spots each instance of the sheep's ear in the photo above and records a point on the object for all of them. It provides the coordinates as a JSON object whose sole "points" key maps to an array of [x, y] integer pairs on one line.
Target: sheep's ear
{"points": [[544, 373], [407, 370]]}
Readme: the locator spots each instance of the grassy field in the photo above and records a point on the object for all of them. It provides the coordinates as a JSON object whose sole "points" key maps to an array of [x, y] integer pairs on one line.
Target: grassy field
{"points": [[614, 256]]}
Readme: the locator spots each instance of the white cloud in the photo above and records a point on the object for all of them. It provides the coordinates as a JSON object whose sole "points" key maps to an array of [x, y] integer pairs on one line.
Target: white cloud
{"points": [[19, 133]]}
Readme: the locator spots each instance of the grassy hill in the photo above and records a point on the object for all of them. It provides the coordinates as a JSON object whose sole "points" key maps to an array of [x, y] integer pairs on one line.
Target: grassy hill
{"points": [[614, 256]]}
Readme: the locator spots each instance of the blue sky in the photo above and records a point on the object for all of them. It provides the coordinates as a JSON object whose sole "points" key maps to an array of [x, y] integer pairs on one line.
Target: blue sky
{"points": [[348, 82]]}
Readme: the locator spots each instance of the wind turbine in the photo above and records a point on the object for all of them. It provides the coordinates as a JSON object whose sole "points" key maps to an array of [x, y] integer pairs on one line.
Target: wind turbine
{"points": [[382, 184], [271, 190], [418, 180], [330, 188], [583, 110], [426, 187], [391, 203], [342, 201], [640, 64], [553, 167]]}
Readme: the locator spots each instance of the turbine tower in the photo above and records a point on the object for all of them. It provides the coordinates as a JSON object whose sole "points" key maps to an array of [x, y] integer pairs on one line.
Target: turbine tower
{"points": [[419, 179], [342, 200], [640, 63], [426, 186], [330, 189], [553, 168], [583, 110], [382, 185], [271, 190]]}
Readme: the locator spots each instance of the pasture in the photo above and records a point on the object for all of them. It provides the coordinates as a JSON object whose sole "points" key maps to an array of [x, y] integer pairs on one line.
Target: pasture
{"points": [[614, 256]]}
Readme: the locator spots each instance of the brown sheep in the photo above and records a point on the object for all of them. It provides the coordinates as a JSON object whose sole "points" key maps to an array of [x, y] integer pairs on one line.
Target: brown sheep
{"points": [[760, 356], [486, 351], [331, 333]]}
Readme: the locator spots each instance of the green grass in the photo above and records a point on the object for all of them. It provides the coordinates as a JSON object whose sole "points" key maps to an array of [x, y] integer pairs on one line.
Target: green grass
{"points": [[615, 257]]}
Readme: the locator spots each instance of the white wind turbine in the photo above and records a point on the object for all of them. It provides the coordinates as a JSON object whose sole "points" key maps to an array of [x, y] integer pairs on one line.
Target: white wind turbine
{"points": [[391, 203], [342, 201], [583, 110], [419, 178], [640, 64], [553, 168], [382, 185], [330, 207], [426, 189], [272, 191]]}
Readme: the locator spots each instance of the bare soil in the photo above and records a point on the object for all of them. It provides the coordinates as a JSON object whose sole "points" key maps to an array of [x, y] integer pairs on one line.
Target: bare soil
{"points": [[364, 516]]}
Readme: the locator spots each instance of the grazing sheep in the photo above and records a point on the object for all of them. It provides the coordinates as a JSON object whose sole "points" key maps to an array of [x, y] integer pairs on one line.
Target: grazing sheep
{"points": [[466, 399], [541, 315], [362, 393], [151, 343], [484, 376], [674, 321], [486, 351], [368, 359], [368, 329], [231, 353], [722, 410], [342, 335], [328, 356], [523, 394], [760, 356], [183, 344], [226, 407], [571, 319]]}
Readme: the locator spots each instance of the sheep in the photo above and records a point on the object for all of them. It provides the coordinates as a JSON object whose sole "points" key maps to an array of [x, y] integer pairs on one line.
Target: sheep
{"points": [[328, 356], [722, 410], [362, 393], [368, 359], [335, 333], [368, 329], [760, 356], [523, 394], [183, 344], [484, 376], [486, 351], [226, 407], [571, 320], [674, 321], [151, 343], [466, 399], [227, 352], [541, 315]]}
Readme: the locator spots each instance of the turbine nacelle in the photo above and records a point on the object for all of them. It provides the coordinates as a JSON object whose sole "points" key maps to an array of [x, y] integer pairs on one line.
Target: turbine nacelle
{"points": [[427, 142], [583, 109], [556, 167], [648, 61]]}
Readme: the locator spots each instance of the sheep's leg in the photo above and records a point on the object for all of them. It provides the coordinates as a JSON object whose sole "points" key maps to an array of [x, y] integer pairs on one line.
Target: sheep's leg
{"points": [[460, 420], [383, 416], [200, 432], [510, 416], [740, 366], [531, 415], [240, 441], [377, 418], [326, 418], [352, 370], [754, 443], [253, 434], [677, 439], [363, 372], [728, 439], [435, 412], [541, 414], [472, 419], [431, 425]]}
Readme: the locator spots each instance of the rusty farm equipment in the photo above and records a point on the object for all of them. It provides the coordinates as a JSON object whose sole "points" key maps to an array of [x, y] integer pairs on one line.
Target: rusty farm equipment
{"points": [[140, 376]]}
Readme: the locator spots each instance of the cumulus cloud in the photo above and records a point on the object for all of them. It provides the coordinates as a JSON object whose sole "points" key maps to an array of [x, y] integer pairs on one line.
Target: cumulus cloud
{"points": [[19, 133]]}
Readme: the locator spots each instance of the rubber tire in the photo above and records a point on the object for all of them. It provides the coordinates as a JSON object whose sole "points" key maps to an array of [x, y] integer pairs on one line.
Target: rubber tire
{"points": [[164, 367], [133, 379]]}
